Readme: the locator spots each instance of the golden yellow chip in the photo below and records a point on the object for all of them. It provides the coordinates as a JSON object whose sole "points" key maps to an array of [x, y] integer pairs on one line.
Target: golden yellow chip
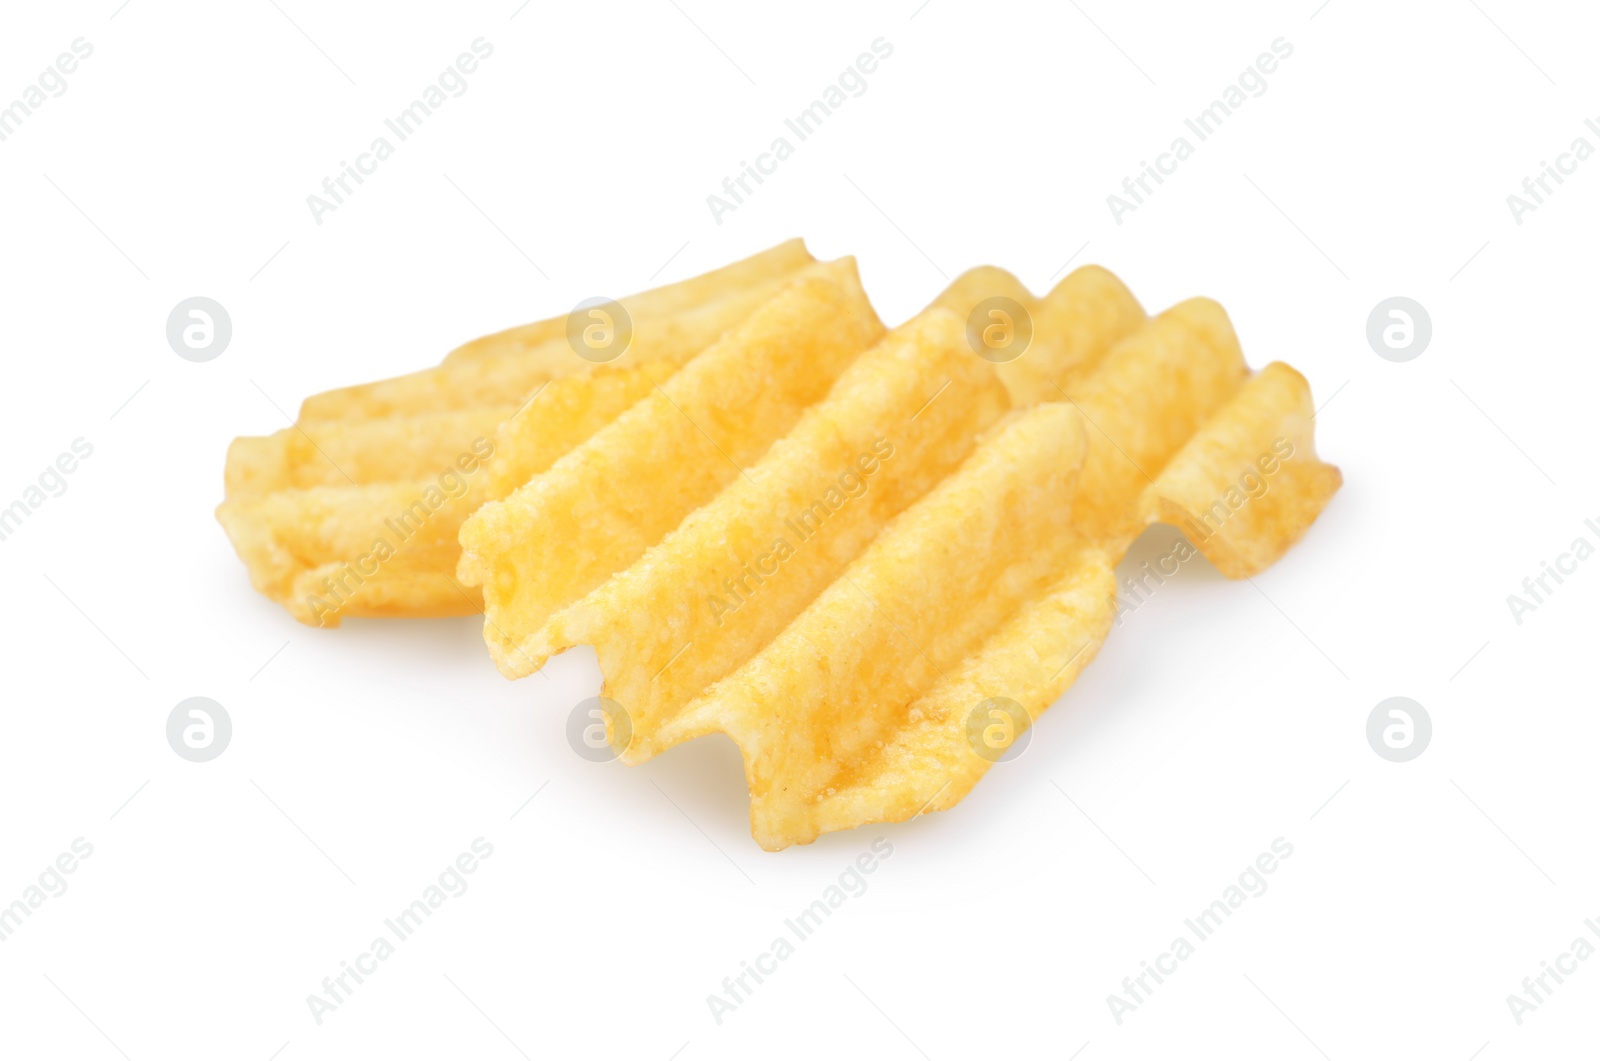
{"points": [[492, 377], [1146, 398], [977, 605], [1057, 339], [757, 272], [347, 452], [943, 747], [598, 508], [382, 549], [812, 708], [834, 545], [329, 514], [728, 579], [1246, 486], [720, 586]]}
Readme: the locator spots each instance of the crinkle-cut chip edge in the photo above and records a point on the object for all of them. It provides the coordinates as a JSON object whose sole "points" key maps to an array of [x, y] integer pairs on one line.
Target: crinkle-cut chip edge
{"points": [[804, 689], [803, 338], [887, 395], [1079, 321], [773, 263], [1261, 440], [1033, 658]]}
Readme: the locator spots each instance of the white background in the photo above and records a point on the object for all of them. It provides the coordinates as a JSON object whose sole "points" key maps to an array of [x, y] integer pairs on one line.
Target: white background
{"points": [[1219, 716]]}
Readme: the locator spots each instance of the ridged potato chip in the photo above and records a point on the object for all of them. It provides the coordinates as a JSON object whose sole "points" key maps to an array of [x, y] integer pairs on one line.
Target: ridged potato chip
{"points": [[597, 509], [327, 514], [872, 560], [759, 272], [909, 410], [722, 584], [810, 709], [994, 587], [1248, 484]]}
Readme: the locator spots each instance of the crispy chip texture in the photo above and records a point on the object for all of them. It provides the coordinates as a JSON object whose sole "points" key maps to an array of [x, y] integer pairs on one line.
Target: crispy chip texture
{"points": [[1073, 326], [809, 710], [860, 555], [345, 452], [845, 640], [598, 508], [739, 568], [929, 763], [855, 703], [382, 549], [724, 583], [1248, 484], [1146, 398], [356, 509]]}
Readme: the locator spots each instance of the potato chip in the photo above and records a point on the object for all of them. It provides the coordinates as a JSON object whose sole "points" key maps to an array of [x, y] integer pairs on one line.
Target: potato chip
{"points": [[838, 683], [308, 506], [929, 763], [834, 545], [995, 587], [1248, 484], [492, 378], [598, 508], [1146, 399], [759, 271], [346, 452], [330, 551], [735, 572], [776, 538], [1072, 327]]}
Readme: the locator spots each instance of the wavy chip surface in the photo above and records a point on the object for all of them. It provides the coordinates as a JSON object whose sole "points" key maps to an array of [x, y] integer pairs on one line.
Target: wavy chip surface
{"points": [[356, 508], [870, 558], [923, 554], [597, 509]]}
